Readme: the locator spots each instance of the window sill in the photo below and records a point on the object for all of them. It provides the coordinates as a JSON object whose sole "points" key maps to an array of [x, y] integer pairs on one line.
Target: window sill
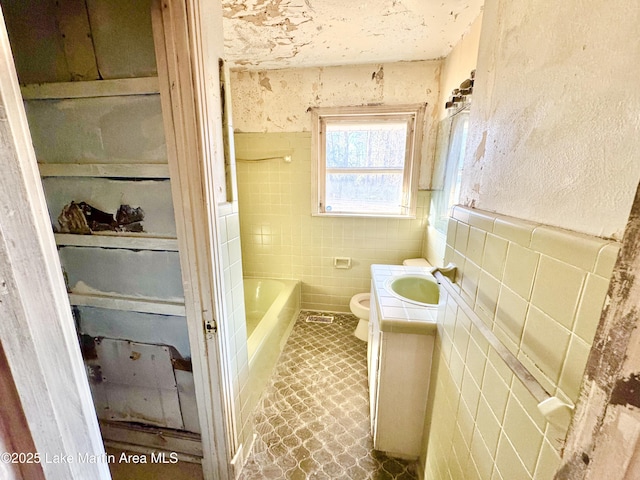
{"points": [[365, 215]]}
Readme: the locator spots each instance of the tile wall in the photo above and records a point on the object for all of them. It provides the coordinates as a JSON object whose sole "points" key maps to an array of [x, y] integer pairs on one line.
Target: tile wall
{"points": [[541, 291], [235, 329], [280, 238]]}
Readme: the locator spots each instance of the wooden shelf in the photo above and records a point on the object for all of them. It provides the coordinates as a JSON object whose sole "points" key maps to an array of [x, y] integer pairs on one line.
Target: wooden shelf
{"points": [[96, 88], [115, 240], [113, 170], [128, 304]]}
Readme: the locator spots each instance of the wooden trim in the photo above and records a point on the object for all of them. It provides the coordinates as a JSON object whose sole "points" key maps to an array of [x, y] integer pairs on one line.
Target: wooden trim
{"points": [[188, 42], [128, 304], [117, 434], [317, 154], [132, 447], [356, 110], [411, 115], [37, 330], [95, 88], [112, 170], [132, 242]]}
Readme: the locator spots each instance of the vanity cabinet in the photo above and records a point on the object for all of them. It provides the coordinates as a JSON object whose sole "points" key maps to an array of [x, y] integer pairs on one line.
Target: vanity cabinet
{"points": [[399, 367]]}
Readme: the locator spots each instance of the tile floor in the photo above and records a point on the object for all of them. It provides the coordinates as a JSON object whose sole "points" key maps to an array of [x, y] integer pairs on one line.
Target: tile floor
{"points": [[313, 419]]}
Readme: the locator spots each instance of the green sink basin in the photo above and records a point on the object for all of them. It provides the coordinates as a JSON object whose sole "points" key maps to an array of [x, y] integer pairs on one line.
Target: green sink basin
{"points": [[414, 288]]}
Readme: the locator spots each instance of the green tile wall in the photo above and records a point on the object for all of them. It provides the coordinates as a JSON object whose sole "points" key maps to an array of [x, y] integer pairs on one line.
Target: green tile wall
{"points": [[280, 238], [541, 290]]}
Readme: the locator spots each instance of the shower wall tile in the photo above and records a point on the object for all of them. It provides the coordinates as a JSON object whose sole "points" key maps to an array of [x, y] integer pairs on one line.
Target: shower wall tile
{"points": [[281, 239], [233, 325], [557, 289], [542, 298], [495, 252], [520, 269]]}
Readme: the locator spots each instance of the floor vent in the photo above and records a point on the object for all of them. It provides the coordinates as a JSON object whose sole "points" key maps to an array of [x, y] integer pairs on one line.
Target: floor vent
{"points": [[320, 318]]}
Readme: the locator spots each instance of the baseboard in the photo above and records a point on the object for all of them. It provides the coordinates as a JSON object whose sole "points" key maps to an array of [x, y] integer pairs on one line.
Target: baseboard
{"points": [[142, 439]]}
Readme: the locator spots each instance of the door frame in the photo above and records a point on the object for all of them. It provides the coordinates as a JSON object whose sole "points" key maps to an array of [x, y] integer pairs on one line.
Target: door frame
{"points": [[188, 48]]}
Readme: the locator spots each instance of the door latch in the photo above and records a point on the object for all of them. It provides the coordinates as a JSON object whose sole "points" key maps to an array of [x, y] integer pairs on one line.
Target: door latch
{"points": [[210, 324]]}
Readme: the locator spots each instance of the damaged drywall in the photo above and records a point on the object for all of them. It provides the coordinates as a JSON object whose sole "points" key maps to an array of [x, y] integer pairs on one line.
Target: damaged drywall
{"points": [[269, 34], [106, 130], [274, 101], [553, 139], [128, 273], [82, 218], [153, 197]]}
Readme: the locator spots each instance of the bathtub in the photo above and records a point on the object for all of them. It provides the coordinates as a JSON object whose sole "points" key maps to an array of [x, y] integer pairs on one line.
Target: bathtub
{"points": [[271, 307]]}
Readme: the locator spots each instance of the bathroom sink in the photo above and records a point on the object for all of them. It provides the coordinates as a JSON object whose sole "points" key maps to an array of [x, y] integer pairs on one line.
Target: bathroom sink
{"points": [[414, 288]]}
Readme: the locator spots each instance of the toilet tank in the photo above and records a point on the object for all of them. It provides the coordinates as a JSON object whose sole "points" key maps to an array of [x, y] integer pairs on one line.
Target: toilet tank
{"points": [[416, 262]]}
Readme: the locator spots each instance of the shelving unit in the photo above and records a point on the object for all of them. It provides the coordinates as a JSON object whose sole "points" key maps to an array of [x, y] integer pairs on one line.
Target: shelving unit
{"points": [[106, 170], [108, 240], [109, 151], [128, 304], [91, 89]]}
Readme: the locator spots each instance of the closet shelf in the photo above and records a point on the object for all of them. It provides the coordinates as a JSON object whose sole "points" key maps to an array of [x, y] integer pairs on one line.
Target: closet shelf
{"points": [[128, 304], [112, 170], [115, 240], [96, 88]]}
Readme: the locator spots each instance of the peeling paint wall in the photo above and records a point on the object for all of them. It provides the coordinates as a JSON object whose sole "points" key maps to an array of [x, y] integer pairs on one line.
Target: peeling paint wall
{"points": [[277, 101], [459, 63], [294, 33], [554, 123]]}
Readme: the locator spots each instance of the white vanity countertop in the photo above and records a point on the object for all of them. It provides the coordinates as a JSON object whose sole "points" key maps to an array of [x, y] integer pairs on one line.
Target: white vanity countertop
{"points": [[396, 315]]}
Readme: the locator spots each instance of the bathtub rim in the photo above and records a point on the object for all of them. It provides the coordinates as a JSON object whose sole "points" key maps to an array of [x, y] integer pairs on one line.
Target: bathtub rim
{"points": [[260, 334]]}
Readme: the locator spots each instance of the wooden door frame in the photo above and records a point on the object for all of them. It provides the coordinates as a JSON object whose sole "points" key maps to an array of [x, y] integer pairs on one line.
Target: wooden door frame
{"points": [[188, 47], [37, 329]]}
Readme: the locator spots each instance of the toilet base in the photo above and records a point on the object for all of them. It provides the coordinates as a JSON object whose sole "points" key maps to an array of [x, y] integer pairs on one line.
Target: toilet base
{"points": [[362, 330]]}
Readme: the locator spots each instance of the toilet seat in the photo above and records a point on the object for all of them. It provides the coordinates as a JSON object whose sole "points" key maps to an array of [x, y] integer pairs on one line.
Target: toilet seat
{"points": [[359, 305]]}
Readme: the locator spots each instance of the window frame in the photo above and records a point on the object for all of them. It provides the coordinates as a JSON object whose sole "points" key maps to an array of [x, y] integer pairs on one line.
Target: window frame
{"points": [[413, 115]]}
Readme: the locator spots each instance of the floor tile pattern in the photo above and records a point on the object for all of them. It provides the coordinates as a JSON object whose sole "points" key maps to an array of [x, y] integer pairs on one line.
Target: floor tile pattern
{"points": [[313, 419]]}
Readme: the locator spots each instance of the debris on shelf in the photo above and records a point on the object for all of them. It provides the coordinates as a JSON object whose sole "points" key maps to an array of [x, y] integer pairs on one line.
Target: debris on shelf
{"points": [[84, 219]]}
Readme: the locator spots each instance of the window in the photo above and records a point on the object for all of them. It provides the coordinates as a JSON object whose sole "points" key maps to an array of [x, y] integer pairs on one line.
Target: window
{"points": [[365, 160]]}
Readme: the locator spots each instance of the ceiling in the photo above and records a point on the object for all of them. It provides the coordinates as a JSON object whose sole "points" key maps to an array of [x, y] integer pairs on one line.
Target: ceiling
{"points": [[266, 34]]}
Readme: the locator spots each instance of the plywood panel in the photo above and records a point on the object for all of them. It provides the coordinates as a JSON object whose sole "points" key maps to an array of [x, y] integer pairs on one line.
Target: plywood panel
{"points": [[138, 327], [153, 196], [136, 383], [108, 129], [188, 404], [126, 272], [123, 38]]}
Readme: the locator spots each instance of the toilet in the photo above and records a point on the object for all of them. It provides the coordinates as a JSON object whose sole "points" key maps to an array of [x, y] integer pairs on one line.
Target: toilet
{"points": [[359, 304]]}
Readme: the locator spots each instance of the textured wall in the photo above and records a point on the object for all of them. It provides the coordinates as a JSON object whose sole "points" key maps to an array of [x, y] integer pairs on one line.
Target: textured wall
{"points": [[278, 100], [554, 124]]}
